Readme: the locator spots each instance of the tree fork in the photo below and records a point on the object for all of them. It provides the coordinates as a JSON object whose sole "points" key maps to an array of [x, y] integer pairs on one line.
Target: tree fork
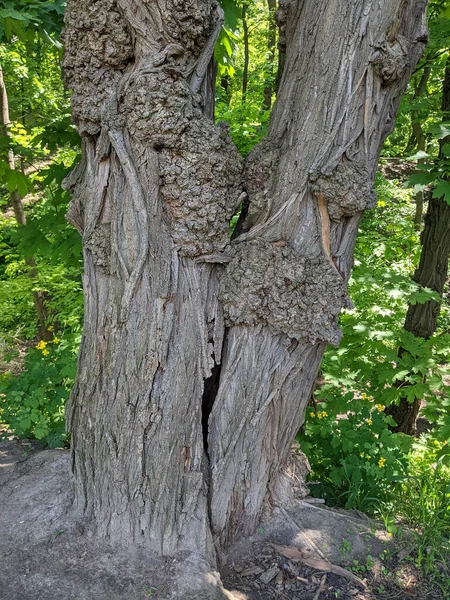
{"points": [[168, 298]]}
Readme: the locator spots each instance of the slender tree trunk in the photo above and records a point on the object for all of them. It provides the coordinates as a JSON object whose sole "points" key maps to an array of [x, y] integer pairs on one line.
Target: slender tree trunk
{"points": [[225, 85], [432, 273], [19, 213], [246, 53], [420, 139], [199, 355], [271, 45], [421, 318]]}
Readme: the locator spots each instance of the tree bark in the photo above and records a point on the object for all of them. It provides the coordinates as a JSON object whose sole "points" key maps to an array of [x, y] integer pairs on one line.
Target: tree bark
{"points": [[188, 336]]}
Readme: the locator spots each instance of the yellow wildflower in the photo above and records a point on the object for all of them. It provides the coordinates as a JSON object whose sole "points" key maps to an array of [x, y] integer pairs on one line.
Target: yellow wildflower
{"points": [[381, 203], [312, 414], [56, 340], [381, 462], [380, 407], [369, 421], [41, 345], [50, 328], [322, 415], [45, 352]]}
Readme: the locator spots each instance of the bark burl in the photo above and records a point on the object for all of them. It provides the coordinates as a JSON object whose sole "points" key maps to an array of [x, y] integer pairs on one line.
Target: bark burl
{"points": [[199, 354]]}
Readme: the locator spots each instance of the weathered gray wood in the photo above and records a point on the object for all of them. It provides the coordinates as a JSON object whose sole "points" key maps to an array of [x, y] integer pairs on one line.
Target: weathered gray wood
{"points": [[153, 197]]}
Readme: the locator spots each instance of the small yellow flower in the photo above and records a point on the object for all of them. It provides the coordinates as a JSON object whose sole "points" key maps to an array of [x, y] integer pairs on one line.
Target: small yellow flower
{"points": [[312, 414], [381, 203], [369, 421], [364, 396], [50, 328], [381, 462], [380, 407], [45, 352], [322, 415], [41, 345], [56, 340]]}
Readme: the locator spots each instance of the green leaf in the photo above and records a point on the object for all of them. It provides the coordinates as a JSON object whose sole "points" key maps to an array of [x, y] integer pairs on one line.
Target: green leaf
{"points": [[420, 180], [232, 13], [442, 190], [439, 130], [16, 180]]}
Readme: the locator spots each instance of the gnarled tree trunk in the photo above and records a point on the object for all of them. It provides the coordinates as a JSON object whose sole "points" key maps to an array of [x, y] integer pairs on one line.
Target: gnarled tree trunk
{"points": [[198, 355]]}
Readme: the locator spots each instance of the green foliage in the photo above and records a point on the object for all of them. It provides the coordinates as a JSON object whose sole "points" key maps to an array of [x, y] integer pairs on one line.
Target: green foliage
{"points": [[367, 372], [357, 460], [27, 19], [32, 404], [423, 106], [352, 451], [44, 255], [436, 172], [422, 500], [247, 116]]}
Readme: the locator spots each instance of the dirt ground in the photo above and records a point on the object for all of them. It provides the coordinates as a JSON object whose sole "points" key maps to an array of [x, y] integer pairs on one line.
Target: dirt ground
{"points": [[308, 552]]}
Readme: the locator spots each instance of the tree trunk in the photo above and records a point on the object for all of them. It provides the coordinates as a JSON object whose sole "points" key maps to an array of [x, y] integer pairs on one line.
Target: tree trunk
{"points": [[271, 44], [421, 318], [19, 213], [188, 336], [246, 53], [432, 273], [420, 140]]}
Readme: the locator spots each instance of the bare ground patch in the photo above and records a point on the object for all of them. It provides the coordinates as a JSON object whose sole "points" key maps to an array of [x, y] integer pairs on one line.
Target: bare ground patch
{"points": [[47, 553]]}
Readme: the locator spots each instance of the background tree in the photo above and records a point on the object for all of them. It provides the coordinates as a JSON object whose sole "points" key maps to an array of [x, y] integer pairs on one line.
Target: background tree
{"points": [[432, 272]]}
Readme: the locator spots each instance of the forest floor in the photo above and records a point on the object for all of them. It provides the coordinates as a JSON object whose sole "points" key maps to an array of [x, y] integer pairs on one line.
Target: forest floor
{"points": [[308, 552]]}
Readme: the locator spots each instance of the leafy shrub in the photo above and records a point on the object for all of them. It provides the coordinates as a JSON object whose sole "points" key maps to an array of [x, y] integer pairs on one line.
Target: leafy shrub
{"points": [[352, 452], [32, 404]]}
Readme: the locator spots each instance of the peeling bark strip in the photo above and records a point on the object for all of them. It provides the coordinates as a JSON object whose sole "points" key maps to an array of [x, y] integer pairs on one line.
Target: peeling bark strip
{"points": [[153, 196]]}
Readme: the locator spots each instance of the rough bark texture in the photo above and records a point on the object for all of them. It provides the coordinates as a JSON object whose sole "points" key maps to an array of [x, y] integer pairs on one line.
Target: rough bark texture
{"points": [[152, 198]]}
